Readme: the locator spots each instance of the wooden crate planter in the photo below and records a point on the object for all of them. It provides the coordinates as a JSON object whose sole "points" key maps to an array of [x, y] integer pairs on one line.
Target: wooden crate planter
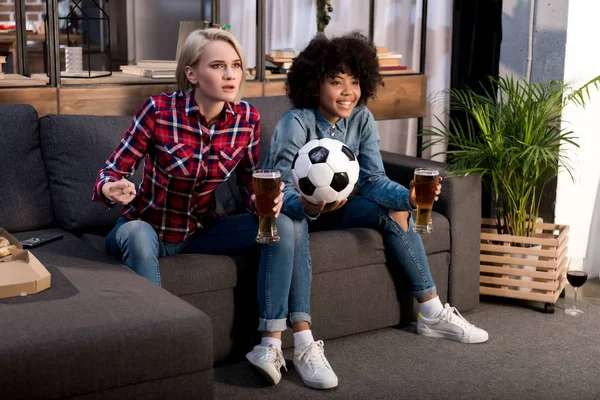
{"points": [[501, 263]]}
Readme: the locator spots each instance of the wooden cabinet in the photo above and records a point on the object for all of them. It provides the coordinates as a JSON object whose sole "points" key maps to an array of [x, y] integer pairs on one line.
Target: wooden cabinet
{"points": [[403, 96]]}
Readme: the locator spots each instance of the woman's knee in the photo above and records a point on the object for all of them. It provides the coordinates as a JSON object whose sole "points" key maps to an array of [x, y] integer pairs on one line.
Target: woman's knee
{"points": [[136, 234]]}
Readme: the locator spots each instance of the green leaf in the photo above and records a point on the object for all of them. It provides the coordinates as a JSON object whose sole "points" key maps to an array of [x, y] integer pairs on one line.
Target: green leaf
{"points": [[513, 136]]}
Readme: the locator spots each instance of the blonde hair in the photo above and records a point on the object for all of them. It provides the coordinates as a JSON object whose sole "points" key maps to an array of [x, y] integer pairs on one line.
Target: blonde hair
{"points": [[192, 50]]}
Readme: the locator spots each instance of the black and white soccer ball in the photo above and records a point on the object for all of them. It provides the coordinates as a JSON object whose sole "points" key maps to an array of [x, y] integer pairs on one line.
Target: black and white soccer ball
{"points": [[325, 169]]}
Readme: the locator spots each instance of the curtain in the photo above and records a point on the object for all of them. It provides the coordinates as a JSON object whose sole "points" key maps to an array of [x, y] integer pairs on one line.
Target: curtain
{"points": [[292, 23], [476, 55]]}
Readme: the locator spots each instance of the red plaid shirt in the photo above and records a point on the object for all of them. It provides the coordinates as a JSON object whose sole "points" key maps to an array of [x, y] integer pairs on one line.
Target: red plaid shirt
{"points": [[185, 161]]}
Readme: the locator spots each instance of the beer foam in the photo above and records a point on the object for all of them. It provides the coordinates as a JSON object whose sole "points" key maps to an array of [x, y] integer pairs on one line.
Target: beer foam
{"points": [[266, 174], [427, 172]]}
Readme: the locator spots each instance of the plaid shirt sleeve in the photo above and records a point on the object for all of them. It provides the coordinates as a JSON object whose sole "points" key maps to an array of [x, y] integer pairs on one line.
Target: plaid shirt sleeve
{"points": [[130, 151], [246, 166]]}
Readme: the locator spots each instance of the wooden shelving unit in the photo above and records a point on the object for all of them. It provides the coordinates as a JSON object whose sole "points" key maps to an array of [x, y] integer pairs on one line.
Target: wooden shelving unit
{"points": [[117, 78], [16, 80], [403, 96]]}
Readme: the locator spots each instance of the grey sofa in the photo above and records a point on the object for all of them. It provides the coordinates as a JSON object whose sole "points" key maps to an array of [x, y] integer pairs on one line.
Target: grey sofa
{"points": [[102, 332]]}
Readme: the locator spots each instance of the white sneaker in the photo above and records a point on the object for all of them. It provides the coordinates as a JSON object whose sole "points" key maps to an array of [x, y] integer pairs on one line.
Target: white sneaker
{"points": [[268, 360], [314, 368], [451, 325]]}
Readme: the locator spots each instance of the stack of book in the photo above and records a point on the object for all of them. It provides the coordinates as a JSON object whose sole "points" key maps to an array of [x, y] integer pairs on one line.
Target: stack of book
{"points": [[279, 61], [388, 60], [151, 69], [2, 62]]}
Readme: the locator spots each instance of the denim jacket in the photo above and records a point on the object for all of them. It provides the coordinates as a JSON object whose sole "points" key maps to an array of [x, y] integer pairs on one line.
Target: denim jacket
{"points": [[298, 126]]}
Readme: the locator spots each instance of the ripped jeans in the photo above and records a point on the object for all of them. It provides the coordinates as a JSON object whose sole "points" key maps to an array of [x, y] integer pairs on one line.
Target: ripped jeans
{"points": [[405, 247]]}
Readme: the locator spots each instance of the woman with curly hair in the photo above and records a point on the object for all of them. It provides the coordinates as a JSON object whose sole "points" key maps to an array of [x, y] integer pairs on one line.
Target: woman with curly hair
{"points": [[329, 84]]}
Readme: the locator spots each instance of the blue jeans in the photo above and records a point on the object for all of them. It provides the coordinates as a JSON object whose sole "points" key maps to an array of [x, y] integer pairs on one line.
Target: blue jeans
{"points": [[406, 248], [137, 244]]}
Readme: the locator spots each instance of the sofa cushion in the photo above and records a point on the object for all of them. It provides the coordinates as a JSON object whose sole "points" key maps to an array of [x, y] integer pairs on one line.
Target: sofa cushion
{"points": [[197, 273], [229, 200], [99, 327], [187, 274], [357, 247], [25, 202], [193, 273], [271, 109], [93, 139]]}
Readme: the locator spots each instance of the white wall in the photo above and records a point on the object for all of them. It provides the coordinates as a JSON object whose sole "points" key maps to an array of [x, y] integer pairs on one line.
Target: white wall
{"points": [[575, 200]]}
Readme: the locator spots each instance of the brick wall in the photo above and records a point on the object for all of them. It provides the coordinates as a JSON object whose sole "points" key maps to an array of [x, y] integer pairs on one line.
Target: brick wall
{"points": [[34, 10]]}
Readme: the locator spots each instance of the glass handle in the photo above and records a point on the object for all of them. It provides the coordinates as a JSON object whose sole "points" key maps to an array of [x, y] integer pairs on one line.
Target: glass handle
{"points": [[575, 302]]}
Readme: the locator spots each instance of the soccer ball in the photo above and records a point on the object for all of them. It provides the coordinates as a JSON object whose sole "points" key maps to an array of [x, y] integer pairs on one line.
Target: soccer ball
{"points": [[325, 169]]}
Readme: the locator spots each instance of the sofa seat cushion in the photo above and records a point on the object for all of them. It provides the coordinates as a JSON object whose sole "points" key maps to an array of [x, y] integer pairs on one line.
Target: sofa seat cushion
{"points": [[188, 274], [100, 326], [25, 202], [357, 247]]}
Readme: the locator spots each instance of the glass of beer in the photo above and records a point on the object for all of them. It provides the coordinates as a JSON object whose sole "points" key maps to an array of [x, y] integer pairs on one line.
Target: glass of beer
{"points": [[426, 181], [266, 187]]}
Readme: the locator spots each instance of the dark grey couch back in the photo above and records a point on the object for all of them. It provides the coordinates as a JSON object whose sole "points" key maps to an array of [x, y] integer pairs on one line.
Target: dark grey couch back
{"points": [[271, 109], [59, 163], [75, 147], [25, 202]]}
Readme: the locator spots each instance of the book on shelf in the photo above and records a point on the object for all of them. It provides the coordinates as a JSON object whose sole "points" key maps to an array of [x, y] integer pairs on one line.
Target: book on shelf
{"points": [[278, 60], [147, 72], [2, 59], [1, 75], [389, 59], [277, 66], [389, 54], [381, 49], [393, 68], [283, 53], [157, 64], [389, 62]]}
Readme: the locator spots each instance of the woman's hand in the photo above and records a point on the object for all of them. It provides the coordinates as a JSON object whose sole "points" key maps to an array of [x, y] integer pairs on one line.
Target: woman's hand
{"points": [[121, 192], [278, 202], [322, 207], [412, 198]]}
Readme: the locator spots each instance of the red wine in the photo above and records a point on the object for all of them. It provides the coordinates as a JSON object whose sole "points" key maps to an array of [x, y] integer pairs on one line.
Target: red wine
{"points": [[577, 278]]}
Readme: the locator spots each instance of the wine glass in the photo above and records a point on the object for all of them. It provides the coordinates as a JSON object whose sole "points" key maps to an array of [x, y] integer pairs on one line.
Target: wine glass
{"points": [[576, 278]]}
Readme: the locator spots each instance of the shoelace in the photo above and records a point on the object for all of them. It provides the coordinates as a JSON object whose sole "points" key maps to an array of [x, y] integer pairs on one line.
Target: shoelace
{"points": [[315, 355], [452, 315], [275, 355]]}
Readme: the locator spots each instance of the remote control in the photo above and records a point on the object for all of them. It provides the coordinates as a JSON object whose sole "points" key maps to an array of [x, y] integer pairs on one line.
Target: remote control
{"points": [[40, 240]]}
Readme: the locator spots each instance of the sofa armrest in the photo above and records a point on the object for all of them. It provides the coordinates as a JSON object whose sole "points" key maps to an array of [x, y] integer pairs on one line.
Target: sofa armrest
{"points": [[460, 202]]}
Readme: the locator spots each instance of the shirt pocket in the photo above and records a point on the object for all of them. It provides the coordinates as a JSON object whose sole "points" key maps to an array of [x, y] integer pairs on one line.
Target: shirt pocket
{"points": [[228, 159], [179, 160]]}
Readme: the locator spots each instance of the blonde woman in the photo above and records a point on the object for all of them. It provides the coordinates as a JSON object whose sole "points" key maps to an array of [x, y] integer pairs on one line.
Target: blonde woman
{"points": [[191, 141]]}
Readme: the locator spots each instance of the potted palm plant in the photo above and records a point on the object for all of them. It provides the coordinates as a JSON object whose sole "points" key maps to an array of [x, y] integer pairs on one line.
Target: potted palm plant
{"points": [[513, 137]]}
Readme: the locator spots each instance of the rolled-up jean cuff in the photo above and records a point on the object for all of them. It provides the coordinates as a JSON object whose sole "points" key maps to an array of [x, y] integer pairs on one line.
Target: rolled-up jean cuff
{"points": [[272, 325], [300, 317], [424, 293]]}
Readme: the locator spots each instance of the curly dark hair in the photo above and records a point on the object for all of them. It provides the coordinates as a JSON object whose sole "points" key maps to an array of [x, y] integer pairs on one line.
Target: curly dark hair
{"points": [[351, 54]]}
